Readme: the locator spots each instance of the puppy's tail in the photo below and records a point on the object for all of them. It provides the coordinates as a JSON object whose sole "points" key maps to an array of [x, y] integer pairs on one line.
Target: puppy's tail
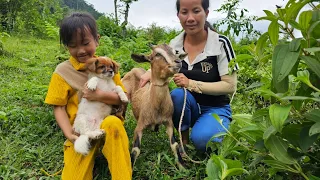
{"points": [[82, 144]]}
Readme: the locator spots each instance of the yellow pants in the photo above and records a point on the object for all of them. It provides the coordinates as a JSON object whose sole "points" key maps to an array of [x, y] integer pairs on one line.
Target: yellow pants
{"points": [[115, 150]]}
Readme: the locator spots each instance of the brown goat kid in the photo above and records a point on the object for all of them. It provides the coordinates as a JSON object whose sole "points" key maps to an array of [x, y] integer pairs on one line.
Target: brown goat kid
{"points": [[152, 104]]}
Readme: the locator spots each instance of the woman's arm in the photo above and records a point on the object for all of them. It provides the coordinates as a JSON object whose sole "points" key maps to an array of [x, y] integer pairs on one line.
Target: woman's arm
{"points": [[227, 85], [145, 78], [64, 123]]}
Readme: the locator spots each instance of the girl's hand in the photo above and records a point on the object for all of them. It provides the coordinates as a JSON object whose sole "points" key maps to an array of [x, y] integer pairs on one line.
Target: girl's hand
{"points": [[72, 137], [181, 80], [91, 95], [144, 79]]}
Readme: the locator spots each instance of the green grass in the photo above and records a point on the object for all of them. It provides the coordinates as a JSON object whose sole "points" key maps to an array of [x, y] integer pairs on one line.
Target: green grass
{"points": [[30, 139]]}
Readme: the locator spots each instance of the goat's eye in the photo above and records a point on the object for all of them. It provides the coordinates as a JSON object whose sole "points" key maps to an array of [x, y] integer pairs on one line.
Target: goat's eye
{"points": [[158, 54]]}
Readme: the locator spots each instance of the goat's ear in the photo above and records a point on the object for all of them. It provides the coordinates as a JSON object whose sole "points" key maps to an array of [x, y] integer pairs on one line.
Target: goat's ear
{"points": [[182, 56], [92, 64], [140, 58], [116, 67]]}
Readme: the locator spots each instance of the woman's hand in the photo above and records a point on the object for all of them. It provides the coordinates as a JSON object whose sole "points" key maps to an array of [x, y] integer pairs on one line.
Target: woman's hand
{"points": [[181, 80], [144, 79]]}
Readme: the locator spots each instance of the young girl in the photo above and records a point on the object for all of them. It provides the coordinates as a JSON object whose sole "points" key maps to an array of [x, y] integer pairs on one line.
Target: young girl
{"points": [[78, 32], [204, 73]]}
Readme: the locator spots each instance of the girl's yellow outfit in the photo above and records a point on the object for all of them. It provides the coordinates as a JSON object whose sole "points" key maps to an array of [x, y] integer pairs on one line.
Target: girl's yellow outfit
{"points": [[66, 82]]}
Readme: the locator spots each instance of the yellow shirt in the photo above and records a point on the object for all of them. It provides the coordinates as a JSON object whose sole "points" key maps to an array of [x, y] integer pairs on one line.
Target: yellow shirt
{"points": [[60, 93]]}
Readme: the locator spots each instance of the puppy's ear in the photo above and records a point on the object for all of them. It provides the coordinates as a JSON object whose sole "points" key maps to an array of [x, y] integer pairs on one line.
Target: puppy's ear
{"points": [[116, 67], [92, 64]]}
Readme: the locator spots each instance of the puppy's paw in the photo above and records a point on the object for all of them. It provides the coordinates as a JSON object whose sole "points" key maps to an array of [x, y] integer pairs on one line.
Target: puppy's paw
{"points": [[97, 134], [122, 95], [92, 83]]}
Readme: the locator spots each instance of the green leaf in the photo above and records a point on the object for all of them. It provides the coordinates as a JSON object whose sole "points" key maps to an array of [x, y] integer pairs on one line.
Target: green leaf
{"points": [[273, 31], [281, 12], [243, 120], [314, 115], [270, 131], [312, 63], [282, 86], [269, 13], [303, 76], [295, 45], [253, 130], [283, 61], [293, 8], [292, 133], [261, 44], [216, 136], [228, 144], [304, 19], [235, 171], [260, 114], [278, 115], [3, 116], [217, 118], [313, 29], [294, 24], [265, 59], [280, 166], [304, 90], [305, 140], [241, 57], [300, 98], [278, 148], [267, 92], [212, 170], [311, 177], [313, 49], [266, 18], [315, 129], [249, 128]]}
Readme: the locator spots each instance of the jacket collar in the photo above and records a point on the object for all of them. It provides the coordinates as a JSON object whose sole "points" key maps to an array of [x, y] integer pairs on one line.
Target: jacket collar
{"points": [[212, 47]]}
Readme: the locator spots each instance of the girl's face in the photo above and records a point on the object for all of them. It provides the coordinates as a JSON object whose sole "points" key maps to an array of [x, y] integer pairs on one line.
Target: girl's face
{"points": [[192, 16], [83, 47]]}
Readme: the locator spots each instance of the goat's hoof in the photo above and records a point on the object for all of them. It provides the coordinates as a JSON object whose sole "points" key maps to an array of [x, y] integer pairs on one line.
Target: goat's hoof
{"points": [[182, 167], [133, 158]]}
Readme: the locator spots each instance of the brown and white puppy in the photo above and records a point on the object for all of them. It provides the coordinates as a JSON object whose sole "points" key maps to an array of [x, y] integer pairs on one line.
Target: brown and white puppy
{"points": [[91, 113]]}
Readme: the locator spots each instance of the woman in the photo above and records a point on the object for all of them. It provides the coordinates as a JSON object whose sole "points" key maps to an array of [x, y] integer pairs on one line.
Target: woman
{"points": [[204, 73]]}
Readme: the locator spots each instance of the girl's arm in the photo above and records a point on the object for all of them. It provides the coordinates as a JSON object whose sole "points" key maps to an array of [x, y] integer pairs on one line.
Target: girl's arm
{"points": [[64, 123], [111, 98]]}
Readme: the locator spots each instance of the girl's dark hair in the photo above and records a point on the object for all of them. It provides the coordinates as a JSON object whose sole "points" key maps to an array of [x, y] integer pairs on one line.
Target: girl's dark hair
{"points": [[205, 5], [75, 21]]}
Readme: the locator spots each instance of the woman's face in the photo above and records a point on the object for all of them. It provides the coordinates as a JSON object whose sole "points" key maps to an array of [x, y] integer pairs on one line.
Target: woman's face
{"points": [[192, 16]]}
